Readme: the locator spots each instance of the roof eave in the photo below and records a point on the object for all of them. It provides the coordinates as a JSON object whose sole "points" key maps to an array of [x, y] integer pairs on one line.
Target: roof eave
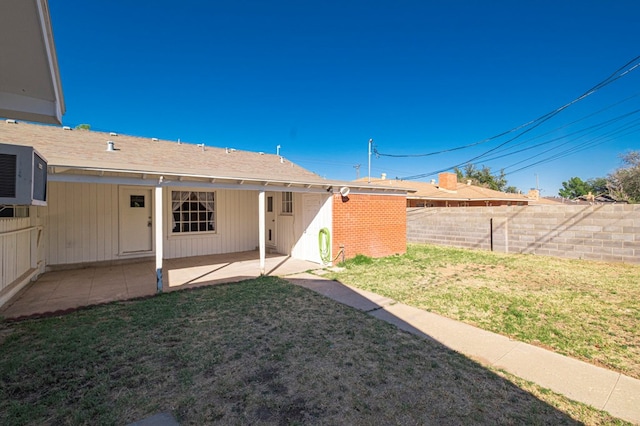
{"points": [[39, 106]]}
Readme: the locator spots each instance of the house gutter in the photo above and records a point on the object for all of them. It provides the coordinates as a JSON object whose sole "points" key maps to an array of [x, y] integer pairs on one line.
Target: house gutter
{"points": [[149, 178]]}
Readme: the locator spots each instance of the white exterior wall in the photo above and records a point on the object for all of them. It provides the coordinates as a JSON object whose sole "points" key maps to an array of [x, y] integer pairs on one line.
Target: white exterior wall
{"points": [[236, 226], [81, 224], [306, 228]]}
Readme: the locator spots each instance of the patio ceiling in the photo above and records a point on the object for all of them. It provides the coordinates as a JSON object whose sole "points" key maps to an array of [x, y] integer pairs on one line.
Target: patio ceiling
{"points": [[30, 87]]}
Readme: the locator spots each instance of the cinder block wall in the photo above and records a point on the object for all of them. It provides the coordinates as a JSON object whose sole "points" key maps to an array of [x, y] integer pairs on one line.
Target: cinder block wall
{"points": [[373, 225], [598, 232]]}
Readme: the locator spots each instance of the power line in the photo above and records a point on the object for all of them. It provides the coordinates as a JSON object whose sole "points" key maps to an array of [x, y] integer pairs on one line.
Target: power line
{"points": [[532, 124], [579, 148]]}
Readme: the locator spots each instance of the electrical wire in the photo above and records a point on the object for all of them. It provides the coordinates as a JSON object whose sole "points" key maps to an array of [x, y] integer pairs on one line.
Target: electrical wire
{"points": [[532, 124]]}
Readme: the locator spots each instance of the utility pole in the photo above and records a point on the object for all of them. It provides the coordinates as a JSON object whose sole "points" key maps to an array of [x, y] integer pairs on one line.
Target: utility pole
{"points": [[357, 167], [370, 143]]}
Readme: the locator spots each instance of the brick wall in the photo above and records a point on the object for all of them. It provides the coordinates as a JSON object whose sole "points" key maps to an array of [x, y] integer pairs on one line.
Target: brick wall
{"points": [[598, 232], [373, 225], [448, 181]]}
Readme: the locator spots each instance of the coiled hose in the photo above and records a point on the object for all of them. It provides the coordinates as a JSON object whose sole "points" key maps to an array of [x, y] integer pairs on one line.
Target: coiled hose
{"points": [[324, 243]]}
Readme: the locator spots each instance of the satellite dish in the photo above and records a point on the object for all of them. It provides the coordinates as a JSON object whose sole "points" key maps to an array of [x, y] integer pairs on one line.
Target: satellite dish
{"points": [[344, 191]]}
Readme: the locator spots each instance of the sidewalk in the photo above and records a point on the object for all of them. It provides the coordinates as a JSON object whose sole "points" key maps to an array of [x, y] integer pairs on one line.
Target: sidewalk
{"points": [[601, 388]]}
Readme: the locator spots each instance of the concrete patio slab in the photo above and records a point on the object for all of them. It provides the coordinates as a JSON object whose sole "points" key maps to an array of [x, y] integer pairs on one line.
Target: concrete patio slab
{"points": [[70, 289]]}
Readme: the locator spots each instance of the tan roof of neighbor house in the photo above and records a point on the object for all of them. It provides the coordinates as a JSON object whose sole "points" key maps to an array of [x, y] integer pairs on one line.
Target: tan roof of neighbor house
{"points": [[87, 150], [462, 191], [544, 200]]}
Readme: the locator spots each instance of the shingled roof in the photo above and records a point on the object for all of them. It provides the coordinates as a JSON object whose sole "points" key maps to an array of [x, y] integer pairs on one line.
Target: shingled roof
{"points": [[449, 189], [83, 149]]}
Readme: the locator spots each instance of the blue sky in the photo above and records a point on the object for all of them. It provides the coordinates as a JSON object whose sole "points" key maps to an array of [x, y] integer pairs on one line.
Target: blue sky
{"points": [[321, 78]]}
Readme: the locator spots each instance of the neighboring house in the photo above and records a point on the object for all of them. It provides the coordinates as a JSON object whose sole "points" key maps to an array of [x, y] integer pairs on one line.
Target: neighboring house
{"points": [[536, 200], [448, 192], [114, 198]]}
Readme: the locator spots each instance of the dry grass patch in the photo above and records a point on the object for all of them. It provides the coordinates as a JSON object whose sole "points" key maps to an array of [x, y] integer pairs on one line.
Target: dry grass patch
{"points": [[259, 352], [585, 309]]}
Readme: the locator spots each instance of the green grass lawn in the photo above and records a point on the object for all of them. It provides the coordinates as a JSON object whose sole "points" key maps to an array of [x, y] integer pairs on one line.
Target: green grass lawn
{"points": [[258, 352], [585, 309]]}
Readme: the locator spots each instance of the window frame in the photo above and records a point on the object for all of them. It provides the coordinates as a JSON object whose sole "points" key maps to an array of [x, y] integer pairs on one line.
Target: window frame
{"points": [[198, 214], [286, 207]]}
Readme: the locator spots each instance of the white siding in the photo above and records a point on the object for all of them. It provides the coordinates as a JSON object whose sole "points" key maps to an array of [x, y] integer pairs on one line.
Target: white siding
{"points": [[81, 223], [291, 229], [236, 226]]}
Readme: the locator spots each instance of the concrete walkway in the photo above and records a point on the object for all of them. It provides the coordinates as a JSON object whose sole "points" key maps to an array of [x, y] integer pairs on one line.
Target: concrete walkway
{"points": [[601, 388]]}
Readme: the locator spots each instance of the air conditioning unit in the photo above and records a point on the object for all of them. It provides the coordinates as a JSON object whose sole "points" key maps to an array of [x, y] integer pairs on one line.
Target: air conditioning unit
{"points": [[23, 176]]}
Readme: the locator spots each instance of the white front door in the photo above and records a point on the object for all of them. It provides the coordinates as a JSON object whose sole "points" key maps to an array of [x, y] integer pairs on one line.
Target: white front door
{"points": [[270, 219], [136, 227]]}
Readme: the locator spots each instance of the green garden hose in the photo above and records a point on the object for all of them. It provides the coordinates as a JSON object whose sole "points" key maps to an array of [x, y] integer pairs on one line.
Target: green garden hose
{"points": [[324, 242]]}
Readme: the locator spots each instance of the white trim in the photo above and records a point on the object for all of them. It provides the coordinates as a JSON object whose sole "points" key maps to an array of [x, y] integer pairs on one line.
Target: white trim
{"points": [[52, 60], [112, 180], [157, 217], [261, 229]]}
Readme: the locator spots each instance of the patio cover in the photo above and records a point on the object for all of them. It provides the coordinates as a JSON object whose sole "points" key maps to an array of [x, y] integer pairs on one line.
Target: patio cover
{"points": [[30, 87]]}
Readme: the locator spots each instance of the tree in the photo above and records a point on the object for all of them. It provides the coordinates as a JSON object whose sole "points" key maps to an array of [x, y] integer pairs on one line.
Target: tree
{"points": [[83, 127], [482, 177], [624, 183], [574, 188], [598, 186]]}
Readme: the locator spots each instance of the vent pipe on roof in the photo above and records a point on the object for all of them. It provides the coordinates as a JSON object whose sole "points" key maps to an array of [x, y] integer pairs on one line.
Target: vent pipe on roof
{"points": [[383, 176], [469, 182], [154, 139], [111, 146], [433, 181], [11, 121], [113, 134], [66, 128]]}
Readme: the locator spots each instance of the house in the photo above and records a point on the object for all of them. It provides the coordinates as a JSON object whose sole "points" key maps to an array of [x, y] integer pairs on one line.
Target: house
{"points": [[108, 198], [448, 192], [117, 198], [30, 87]]}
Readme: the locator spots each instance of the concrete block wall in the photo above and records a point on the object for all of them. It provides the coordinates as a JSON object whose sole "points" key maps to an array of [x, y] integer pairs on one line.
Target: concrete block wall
{"points": [[373, 225], [597, 232]]}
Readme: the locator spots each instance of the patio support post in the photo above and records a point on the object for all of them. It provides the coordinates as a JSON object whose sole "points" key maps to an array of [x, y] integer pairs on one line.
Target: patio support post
{"points": [[158, 235], [261, 229]]}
